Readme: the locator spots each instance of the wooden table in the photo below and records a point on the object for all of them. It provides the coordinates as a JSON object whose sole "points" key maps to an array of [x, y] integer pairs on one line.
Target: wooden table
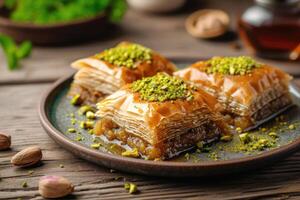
{"points": [[20, 92]]}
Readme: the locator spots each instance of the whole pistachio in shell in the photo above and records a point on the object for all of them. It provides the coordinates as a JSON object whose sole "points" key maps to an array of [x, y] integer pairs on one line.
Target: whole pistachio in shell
{"points": [[27, 157], [55, 187], [5, 141]]}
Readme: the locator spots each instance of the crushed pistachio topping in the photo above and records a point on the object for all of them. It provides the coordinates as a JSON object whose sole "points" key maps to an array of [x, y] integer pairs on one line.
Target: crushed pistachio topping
{"points": [[131, 187], [126, 55], [240, 65], [162, 87]]}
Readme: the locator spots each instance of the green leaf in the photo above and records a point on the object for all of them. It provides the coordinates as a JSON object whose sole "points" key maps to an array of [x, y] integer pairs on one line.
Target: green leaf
{"points": [[24, 49], [12, 60], [9, 48], [118, 9], [10, 4]]}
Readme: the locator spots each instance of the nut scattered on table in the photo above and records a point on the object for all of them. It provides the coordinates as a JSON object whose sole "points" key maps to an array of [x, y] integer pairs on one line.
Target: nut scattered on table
{"points": [[5, 141], [55, 187], [207, 23], [27, 157]]}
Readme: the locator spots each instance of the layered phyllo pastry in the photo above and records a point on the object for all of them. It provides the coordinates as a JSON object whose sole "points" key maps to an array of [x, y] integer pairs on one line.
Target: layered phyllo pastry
{"points": [[104, 73], [158, 117], [249, 92]]}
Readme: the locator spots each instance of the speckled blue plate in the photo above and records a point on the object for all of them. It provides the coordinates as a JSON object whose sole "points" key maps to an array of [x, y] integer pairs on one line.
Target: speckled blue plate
{"points": [[220, 158]]}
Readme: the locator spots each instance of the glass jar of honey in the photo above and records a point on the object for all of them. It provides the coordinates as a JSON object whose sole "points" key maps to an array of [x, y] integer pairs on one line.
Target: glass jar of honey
{"points": [[271, 29]]}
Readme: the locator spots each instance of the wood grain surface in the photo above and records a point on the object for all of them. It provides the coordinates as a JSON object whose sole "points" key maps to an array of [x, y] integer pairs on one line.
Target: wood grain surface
{"points": [[20, 93]]}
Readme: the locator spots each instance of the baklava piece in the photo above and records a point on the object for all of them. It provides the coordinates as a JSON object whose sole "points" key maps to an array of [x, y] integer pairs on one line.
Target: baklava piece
{"points": [[106, 72], [158, 117], [249, 92]]}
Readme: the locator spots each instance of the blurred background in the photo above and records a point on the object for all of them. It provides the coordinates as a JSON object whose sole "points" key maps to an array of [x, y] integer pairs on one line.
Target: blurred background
{"points": [[40, 38]]}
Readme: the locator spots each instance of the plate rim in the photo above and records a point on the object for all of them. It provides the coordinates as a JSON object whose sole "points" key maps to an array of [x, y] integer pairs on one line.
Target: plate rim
{"points": [[69, 144]]}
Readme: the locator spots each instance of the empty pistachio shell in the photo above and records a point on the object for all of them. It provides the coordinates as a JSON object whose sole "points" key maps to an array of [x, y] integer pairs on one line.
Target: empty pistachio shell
{"points": [[55, 187], [207, 23], [5, 141], [27, 157]]}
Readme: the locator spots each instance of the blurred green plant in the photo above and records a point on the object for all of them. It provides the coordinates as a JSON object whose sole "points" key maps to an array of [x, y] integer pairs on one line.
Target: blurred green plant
{"points": [[44, 12], [13, 52]]}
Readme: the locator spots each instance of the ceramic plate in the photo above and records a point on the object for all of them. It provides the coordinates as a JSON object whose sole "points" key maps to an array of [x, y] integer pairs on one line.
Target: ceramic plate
{"points": [[219, 158]]}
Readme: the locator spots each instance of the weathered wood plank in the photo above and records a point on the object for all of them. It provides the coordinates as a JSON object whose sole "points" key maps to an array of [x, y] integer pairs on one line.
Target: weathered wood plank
{"points": [[164, 33], [19, 118]]}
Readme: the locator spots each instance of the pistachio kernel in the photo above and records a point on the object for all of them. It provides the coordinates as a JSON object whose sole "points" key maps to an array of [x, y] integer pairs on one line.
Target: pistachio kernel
{"points": [[71, 130], [131, 187], [273, 135], [291, 127], [96, 146], [87, 125], [84, 109], [131, 153], [90, 115], [76, 100]]}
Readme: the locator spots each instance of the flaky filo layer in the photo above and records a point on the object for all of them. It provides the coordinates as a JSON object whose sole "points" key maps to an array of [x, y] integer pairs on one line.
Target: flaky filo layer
{"points": [[156, 122], [243, 95], [106, 78]]}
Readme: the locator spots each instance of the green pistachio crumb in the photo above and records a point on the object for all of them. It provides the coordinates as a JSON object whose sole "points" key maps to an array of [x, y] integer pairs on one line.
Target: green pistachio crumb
{"points": [[126, 55], [71, 130], [87, 125], [245, 138], [73, 121], [91, 132], [30, 172], [187, 156], [263, 129], [76, 100], [24, 184], [131, 187], [79, 138], [200, 144], [226, 138], [162, 87], [90, 115], [131, 153], [84, 109], [292, 127], [126, 186], [273, 135], [239, 129], [96, 145], [213, 155], [240, 65]]}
